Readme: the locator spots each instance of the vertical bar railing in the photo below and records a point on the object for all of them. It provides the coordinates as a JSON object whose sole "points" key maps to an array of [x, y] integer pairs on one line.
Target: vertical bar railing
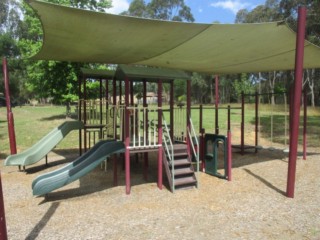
{"points": [[143, 127]]}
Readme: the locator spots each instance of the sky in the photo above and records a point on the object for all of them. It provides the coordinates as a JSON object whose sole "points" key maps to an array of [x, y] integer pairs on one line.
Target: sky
{"points": [[204, 11]]}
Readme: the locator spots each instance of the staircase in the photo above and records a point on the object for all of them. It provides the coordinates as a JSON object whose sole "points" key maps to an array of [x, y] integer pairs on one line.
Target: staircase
{"points": [[181, 173]]}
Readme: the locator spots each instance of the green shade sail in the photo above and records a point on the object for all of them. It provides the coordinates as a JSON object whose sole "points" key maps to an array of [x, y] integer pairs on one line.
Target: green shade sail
{"points": [[84, 36]]}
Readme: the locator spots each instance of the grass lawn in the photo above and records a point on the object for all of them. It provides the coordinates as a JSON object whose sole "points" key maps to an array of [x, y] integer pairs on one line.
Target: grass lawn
{"points": [[32, 123]]}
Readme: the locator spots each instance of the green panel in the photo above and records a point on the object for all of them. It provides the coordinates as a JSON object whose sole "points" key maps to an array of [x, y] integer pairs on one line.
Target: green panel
{"points": [[84, 36]]}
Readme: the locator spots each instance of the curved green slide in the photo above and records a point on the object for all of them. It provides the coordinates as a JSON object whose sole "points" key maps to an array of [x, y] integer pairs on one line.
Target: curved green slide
{"points": [[44, 146], [48, 182]]}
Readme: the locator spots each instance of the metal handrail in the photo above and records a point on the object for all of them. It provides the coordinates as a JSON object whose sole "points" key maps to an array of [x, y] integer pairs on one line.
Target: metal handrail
{"points": [[168, 144], [193, 134]]}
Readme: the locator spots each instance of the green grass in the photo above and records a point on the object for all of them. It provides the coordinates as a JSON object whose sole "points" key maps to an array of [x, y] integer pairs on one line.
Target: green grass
{"points": [[32, 123]]}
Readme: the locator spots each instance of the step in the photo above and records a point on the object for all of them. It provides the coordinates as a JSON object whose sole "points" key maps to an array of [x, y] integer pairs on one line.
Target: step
{"points": [[180, 148], [183, 171], [185, 181], [180, 154], [181, 162]]}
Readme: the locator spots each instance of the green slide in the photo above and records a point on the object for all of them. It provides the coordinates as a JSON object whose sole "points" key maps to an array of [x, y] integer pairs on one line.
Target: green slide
{"points": [[44, 146], [48, 182]]}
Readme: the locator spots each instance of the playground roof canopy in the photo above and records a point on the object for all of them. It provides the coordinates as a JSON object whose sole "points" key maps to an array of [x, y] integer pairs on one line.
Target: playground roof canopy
{"points": [[85, 36], [135, 73], [104, 74], [139, 73]]}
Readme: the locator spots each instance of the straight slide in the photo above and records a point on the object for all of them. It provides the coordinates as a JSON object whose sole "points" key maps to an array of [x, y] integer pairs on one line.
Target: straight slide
{"points": [[48, 182], [44, 146]]}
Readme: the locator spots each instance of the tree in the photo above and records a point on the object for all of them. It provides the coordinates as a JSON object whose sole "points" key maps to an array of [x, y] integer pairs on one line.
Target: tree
{"points": [[289, 11], [10, 32], [50, 78], [172, 10]]}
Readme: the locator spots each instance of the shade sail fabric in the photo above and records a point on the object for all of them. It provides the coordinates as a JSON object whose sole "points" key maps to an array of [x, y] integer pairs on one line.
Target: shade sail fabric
{"points": [[85, 36]]}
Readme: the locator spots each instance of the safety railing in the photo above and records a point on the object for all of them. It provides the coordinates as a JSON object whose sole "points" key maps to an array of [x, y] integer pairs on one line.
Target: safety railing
{"points": [[168, 147], [143, 127], [193, 138], [180, 124]]}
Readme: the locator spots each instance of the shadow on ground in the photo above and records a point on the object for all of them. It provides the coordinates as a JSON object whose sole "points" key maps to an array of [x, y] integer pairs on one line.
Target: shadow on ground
{"points": [[55, 117]]}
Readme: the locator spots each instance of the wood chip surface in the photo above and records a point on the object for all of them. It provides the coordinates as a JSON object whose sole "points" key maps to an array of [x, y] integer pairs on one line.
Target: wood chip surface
{"points": [[252, 206]]}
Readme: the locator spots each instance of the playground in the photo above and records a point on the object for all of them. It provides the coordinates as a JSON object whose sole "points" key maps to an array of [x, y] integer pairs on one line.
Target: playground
{"points": [[252, 205], [229, 162]]}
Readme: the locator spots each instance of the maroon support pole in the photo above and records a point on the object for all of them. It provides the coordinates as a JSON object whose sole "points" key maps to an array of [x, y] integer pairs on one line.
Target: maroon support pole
{"points": [[131, 93], [85, 113], [127, 137], [229, 117], [188, 115], [3, 225], [296, 102], [80, 112], [242, 123], [114, 86], [171, 110], [217, 104], [202, 142], [146, 156], [305, 124], [200, 117], [229, 159], [160, 134], [100, 107], [12, 135], [256, 121], [115, 170]]}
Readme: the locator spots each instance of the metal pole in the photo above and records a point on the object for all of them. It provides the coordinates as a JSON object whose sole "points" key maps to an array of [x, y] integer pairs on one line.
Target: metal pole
{"points": [[3, 225], [171, 110], [79, 113], [12, 135], [160, 134], [296, 102], [305, 106], [200, 117], [145, 126], [229, 159], [217, 104], [256, 122], [127, 136], [188, 115], [85, 112], [242, 123], [202, 142]]}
